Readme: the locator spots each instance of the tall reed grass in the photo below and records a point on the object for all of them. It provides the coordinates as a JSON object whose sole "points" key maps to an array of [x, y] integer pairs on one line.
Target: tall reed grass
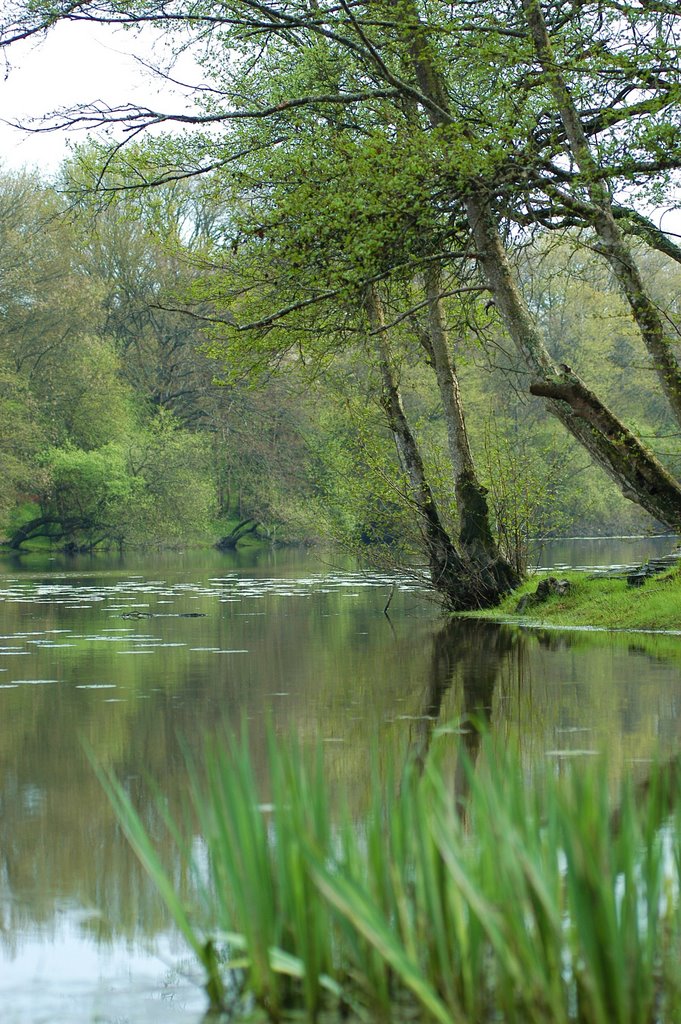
{"points": [[530, 904]]}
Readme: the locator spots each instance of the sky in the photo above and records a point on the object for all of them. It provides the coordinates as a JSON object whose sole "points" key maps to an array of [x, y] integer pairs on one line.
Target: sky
{"points": [[73, 63], [79, 62]]}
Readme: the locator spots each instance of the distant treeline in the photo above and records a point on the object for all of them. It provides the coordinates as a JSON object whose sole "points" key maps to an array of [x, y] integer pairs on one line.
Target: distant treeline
{"points": [[123, 423]]}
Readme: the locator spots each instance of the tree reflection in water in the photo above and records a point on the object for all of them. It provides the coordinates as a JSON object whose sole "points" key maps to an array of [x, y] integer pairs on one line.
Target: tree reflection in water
{"points": [[466, 656]]}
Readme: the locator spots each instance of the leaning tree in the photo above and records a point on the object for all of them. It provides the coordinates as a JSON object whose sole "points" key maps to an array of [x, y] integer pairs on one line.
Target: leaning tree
{"points": [[524, 115]]}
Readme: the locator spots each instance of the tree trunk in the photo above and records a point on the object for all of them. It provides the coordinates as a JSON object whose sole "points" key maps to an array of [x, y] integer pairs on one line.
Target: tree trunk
{"points": [[475, 532], [241, 530], [613, 245], [639, 474], [55, 527], [444, 560], [463, 584]]}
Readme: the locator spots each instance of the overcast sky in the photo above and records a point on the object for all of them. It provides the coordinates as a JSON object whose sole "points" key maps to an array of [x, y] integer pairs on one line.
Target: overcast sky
{"points": [[74, 63], [77, 63]]}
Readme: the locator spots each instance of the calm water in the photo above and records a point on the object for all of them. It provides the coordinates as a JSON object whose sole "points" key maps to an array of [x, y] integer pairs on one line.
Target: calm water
{"points": [[138, 657]]}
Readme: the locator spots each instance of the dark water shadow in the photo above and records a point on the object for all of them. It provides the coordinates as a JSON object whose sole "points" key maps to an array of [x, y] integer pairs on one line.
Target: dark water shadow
{"points": [[466, 658], [475, 666]]}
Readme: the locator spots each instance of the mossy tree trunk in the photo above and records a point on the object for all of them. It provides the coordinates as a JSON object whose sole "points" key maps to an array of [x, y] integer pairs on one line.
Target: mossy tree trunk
{"points": [[613, 245], [475, 530], [462, 582], [636, 470], [631, 464]]}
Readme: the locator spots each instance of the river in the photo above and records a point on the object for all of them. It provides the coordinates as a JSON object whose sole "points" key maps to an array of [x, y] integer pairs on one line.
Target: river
{"points": [[137, 658]]}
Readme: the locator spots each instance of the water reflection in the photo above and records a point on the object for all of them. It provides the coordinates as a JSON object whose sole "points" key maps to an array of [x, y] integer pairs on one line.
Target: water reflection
{"points": [[556, 696], [589, 552], [467, 656], [139, 661]]}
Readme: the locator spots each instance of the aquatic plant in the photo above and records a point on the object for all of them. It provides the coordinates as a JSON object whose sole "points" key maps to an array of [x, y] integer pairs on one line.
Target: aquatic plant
{"points": [[542, 902]]}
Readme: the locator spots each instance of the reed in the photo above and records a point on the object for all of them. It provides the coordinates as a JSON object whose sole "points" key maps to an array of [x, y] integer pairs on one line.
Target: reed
{"points": [[548, 903]]}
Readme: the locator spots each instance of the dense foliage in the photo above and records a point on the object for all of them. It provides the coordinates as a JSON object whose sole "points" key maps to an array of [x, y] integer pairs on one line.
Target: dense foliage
{"points": [[120, 428], [405, 222]]}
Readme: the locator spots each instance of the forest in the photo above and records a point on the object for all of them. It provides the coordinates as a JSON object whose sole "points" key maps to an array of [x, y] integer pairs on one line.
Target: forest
{"points": [[401, 278], [396, 282]]}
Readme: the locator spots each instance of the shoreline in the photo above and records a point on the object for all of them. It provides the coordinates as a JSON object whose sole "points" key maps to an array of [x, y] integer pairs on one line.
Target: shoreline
{"points": [[595, 604]]}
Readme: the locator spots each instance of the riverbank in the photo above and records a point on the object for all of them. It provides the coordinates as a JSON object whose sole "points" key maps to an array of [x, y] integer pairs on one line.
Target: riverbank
{"points": [[599, 601]]}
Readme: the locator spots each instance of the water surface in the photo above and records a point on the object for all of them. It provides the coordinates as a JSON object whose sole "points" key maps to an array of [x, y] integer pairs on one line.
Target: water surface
{"points": [[136, 658]]}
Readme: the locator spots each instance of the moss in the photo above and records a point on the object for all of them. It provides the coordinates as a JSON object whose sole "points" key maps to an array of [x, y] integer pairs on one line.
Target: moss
{"points": [[601, 602]]}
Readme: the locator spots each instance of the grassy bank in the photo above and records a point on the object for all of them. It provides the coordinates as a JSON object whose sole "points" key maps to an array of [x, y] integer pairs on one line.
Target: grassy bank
{"points": [[602, 602], [549, 903]]}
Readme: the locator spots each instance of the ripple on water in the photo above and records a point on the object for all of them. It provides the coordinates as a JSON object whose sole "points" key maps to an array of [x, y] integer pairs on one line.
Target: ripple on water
{"points": [[50, 645], [33, 682], [135, 592], [572, 753]]}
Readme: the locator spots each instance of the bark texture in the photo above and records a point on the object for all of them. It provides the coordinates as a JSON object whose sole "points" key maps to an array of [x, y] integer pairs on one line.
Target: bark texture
{"points": [[463, 582], [639, 474], [475, 531], [613, 245]]}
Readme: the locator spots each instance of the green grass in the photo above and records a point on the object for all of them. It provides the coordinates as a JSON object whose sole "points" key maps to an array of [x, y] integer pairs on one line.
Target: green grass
{"points": [[602, 602], [549, 903]]}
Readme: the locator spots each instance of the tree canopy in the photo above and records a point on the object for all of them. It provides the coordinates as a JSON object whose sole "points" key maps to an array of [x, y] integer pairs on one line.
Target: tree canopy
{"points": [[385, 183]]}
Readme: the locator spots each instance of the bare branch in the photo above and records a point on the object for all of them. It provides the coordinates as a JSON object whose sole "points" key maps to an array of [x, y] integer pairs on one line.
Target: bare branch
{"points": [[420, 305]]}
